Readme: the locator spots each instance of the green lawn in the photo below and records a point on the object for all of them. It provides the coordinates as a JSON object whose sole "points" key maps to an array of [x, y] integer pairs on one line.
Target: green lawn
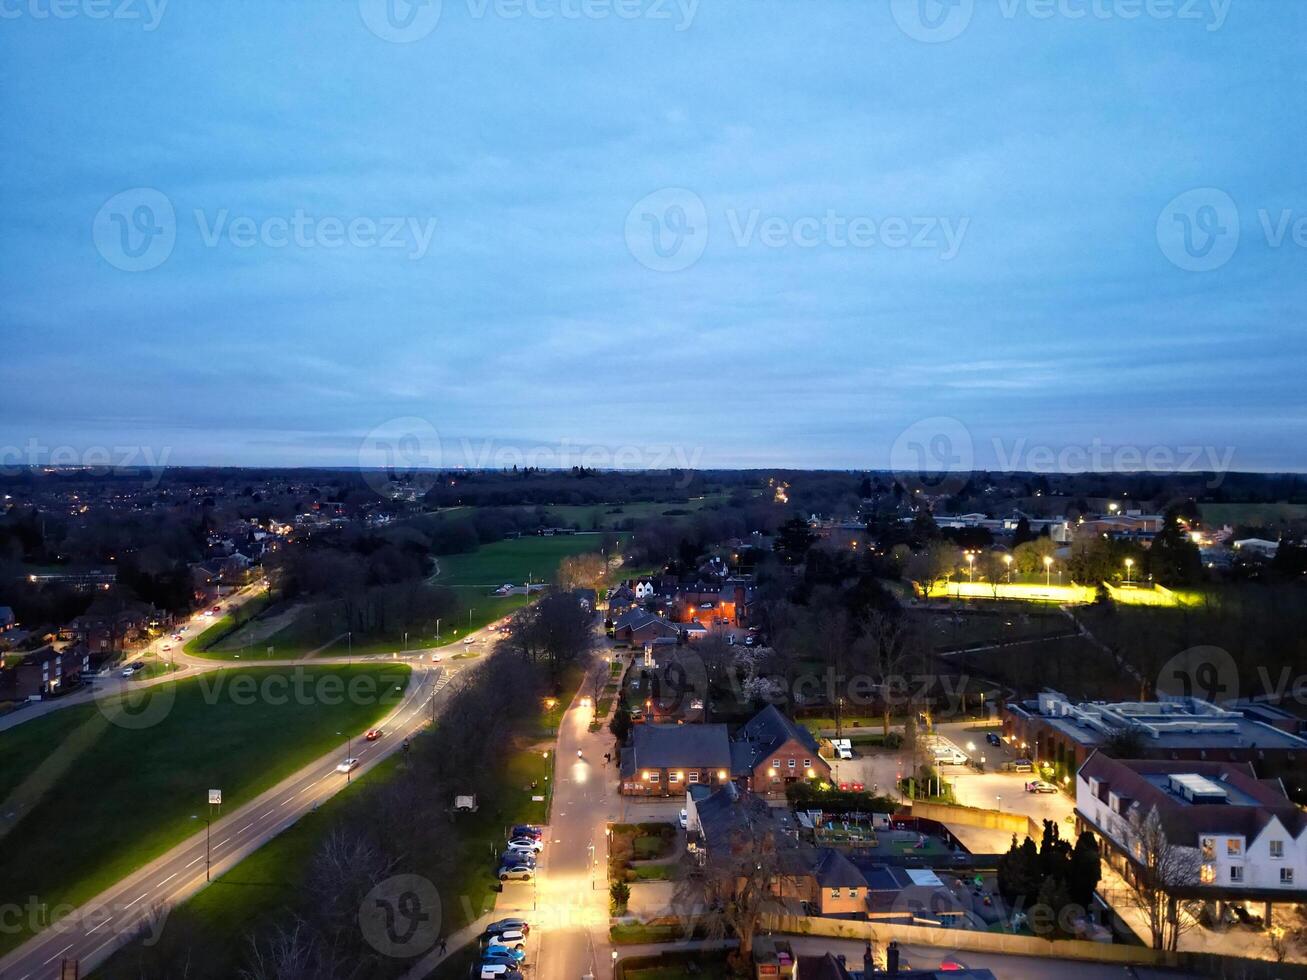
{"points": [[261, 885], [210, 635], [595, 517], [513, 560], [105, 799]]}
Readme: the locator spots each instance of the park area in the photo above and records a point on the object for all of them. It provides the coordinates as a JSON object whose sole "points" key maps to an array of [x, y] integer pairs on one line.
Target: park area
{"points": [[318, 629], [95, 800]]}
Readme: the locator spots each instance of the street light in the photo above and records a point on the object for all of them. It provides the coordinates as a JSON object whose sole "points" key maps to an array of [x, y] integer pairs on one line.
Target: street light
{"points": [[1048, 564], [1007, 560], [1129, 563], [971, 565]]}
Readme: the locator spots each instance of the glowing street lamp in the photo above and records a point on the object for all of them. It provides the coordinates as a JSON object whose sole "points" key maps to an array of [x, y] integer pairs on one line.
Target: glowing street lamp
{"points": [[1048, 565], [1129, 563], [971, 564], [1007, 560]]}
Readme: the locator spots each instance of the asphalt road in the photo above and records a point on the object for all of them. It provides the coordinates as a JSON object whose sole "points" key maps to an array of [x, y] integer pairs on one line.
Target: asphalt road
{"points": [[571, 919], [90, 933]]}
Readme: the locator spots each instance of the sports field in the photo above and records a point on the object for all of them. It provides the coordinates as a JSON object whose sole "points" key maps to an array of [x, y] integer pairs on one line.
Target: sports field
{"points": [[513, 561], [94, 800]]}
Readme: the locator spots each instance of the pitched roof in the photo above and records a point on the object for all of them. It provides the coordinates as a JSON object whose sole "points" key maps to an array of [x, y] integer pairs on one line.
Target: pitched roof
{"points": [[768, 730], [670, 746], [834, 870], [1183, 821]]}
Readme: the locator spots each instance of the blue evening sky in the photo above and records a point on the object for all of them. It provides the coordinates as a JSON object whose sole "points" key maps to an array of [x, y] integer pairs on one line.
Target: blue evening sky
{"points": [[728, 233]]}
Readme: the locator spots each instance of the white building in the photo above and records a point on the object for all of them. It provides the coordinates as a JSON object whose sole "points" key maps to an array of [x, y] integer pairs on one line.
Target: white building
{"points": [[1247, 839]]}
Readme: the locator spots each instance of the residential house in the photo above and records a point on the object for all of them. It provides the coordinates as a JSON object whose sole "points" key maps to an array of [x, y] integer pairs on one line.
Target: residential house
{"points": [[1247, 840], [772, 751], [7, 621], [637, 628], [111, 627], [664, 760], [40, 673]]}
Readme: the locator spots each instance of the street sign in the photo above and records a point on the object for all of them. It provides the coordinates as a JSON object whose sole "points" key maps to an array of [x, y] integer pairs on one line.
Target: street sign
{"points": [[215, 797]]}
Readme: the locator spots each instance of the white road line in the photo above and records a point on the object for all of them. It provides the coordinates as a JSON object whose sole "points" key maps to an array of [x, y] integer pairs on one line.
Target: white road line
{"points": [[102, 922], [221, 842], [133, 902], [169, 878], [245, 828], [60, 953], [200, 858], [266, 813]]}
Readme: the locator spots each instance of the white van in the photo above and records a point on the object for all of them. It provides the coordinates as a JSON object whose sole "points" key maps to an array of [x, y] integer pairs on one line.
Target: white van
{"points": [[843, 748], [949, 755]]}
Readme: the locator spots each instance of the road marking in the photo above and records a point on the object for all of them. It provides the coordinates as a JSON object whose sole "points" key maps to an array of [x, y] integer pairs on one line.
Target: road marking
{"points": [[221, 842], [133, 902], [200, 858], [60, 953], [169, 878], [102, 922], [246, 827]]}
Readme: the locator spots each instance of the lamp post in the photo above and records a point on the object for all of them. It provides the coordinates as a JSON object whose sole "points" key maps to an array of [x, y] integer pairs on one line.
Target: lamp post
{"points": [[1048, 565], [971, 565], [437, 631], [1129, 563], [1007, 560]]}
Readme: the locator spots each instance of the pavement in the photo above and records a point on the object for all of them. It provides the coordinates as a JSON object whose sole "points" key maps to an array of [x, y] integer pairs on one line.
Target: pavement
{"points": [[93, 931], [571, 891]]}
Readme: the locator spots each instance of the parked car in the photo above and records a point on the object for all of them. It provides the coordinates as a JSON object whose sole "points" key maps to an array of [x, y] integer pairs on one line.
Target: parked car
{"points": [[516, 953], [510, 924], [1022, 765], [514, 854], [132, 668], [513, 938], [499, 971], [993, 739], [348, 765], [373, 734], [1040, 786], [516, 871], [683, 819], [527, 844], [527, 830]]}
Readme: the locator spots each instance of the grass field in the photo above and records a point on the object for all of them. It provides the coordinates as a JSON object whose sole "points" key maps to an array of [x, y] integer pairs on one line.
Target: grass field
{"points": [[210, 635], [600, 517], [105, 799], [1254, 515], [513, 560]]}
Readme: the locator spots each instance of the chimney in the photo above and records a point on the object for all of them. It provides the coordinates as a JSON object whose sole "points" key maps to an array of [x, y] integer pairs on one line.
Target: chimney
{"points": [[892, 958]]}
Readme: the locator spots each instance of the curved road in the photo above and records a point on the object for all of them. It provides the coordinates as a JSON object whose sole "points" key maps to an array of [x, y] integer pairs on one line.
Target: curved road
{"points": [[93, 931]]}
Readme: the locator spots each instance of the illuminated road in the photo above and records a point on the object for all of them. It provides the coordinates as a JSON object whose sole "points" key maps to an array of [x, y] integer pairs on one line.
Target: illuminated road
{"points": [[572, 898], [112, 918]]}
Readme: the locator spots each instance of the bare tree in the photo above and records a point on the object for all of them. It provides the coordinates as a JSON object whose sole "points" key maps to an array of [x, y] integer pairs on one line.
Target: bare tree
{"points": [[730, 887], [585, 571], [883, 649], [1160, 867]]}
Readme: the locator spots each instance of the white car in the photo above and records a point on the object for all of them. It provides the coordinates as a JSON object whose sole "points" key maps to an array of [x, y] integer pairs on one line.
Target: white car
{"points": [[683, 819], [131, 669], [435, 658], [526, 844], [349, 765], [469, 640], [513, 938]]}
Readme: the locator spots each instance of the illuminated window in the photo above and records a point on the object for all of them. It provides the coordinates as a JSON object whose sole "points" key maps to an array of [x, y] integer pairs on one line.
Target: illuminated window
{"points": [[694, 777], [1233, 846], [1208, 874], [1209, 849], [653, 777]]}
